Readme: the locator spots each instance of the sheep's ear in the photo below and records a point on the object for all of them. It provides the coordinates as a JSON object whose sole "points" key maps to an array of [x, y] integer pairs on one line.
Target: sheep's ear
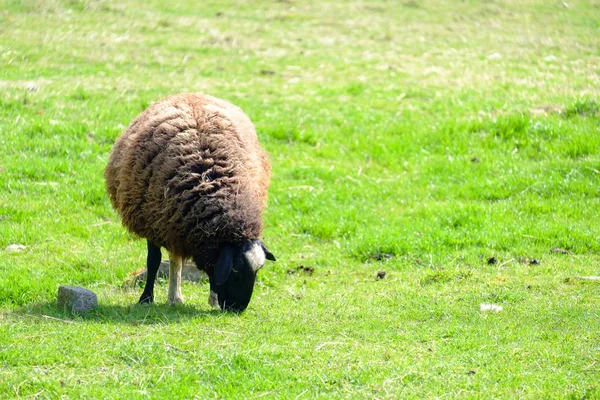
{"points": [[224, 264], [268, 254]]}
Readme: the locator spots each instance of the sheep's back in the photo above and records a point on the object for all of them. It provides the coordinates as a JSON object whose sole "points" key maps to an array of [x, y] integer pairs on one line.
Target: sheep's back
{"points": [[188, 172]]}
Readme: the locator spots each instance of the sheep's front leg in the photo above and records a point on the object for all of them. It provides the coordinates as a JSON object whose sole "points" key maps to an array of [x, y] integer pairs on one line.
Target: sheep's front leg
{"points": [[176, 264]]}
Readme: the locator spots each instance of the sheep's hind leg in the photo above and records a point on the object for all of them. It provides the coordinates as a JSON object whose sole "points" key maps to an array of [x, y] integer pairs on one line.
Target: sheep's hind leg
{"points": [[176, 265], [152, 264]]}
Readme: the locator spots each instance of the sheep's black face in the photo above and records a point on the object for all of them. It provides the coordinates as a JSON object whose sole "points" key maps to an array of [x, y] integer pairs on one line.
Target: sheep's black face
{"points": [[232, 283], [235, 293]]}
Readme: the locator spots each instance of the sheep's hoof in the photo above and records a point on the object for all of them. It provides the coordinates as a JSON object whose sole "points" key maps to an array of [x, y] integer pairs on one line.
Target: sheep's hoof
{"points": [[176, 301], [213, 300], [145, 299]]}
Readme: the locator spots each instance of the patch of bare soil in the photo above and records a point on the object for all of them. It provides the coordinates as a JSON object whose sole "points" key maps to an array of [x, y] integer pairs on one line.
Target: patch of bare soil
{"points": [[303, 269]]}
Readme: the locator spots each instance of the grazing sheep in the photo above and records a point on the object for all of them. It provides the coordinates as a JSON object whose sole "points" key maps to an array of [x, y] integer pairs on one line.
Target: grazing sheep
{"points": [[189, 175]]}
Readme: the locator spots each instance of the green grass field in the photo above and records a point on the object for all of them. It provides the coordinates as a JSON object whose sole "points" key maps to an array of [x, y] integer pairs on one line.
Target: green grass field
{"points": [[454, 145]]}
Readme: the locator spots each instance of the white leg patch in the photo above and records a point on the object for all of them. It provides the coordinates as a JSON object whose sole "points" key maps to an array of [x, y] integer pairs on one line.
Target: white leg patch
{"points": [[213, 300], [255, 257], [176, 264]]}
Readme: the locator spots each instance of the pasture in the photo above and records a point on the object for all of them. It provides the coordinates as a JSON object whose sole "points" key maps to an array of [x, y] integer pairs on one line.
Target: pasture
{"points": [[453, 145]]}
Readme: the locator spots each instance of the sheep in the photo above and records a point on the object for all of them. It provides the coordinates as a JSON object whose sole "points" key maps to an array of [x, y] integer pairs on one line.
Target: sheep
{"points": [[189, 176]]}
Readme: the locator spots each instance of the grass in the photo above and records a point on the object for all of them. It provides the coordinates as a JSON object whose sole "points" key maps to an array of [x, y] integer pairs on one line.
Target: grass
{"points": [[421, 138]]}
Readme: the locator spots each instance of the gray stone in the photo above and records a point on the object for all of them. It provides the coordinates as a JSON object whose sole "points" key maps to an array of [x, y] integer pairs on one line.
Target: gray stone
{"points": [[490, 307], [189, 273], [15, 248], [76, 299]]}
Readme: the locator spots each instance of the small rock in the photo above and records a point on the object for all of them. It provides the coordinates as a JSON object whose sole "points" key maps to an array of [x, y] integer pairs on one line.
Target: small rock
{"points": [[494, 56], [76, 299], [15, 248], [550, 58], [490, 307], [380, 274]]}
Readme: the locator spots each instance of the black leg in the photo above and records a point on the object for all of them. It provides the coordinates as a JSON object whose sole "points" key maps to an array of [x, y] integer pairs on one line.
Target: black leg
{"points": [[152, 264]]}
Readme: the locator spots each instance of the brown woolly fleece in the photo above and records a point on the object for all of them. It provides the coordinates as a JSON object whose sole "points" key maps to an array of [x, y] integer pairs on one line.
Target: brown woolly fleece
{"points": [[189, 175]]}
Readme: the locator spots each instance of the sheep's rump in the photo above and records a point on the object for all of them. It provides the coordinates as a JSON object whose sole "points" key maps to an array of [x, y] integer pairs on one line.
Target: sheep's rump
{"points": [[189, 173]]}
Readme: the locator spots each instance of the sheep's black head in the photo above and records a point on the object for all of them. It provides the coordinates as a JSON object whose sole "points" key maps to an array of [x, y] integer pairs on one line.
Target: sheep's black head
{"points": [[232, 281]]}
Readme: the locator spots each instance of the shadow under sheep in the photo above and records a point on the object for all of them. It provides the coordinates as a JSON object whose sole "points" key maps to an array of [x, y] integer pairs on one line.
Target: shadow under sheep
{"points": [[134, 314], [126, 314]]}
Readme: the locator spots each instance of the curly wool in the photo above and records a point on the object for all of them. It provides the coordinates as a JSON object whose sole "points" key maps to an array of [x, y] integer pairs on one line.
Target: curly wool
{"points": [[189, 175]]}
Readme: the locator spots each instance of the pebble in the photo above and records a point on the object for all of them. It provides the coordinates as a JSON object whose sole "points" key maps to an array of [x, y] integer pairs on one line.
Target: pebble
{"points": [[15, 248], [490, 307]]}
